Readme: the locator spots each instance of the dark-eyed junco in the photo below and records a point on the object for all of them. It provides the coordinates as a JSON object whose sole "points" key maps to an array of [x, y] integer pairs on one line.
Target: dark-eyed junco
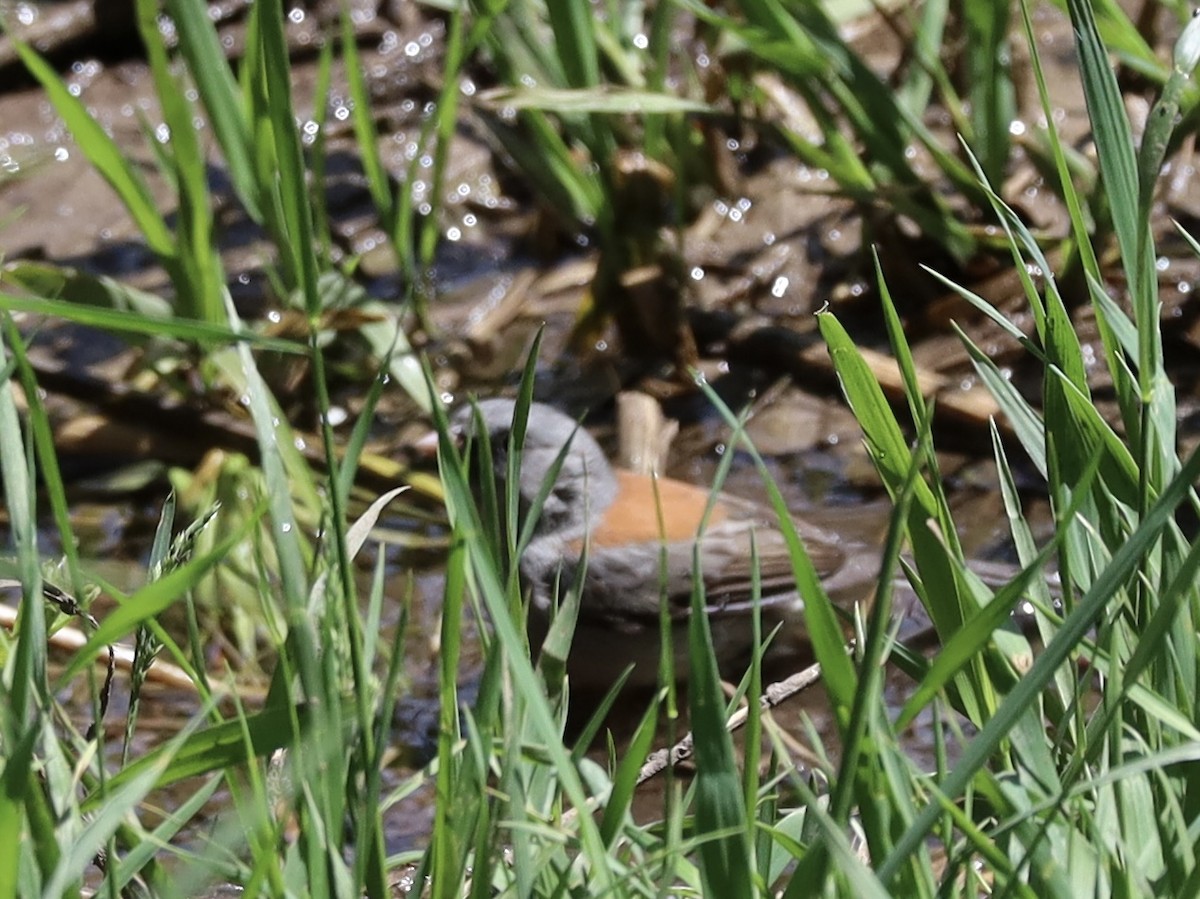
{"points": [[627, 520]]}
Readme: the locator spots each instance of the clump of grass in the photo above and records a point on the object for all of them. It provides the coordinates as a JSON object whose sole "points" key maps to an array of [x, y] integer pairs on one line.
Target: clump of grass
{"points": [[1032, 795], [1074, 774], [590, 115], [332, 694], [1028, 798], [585, 95], [251, 117]]}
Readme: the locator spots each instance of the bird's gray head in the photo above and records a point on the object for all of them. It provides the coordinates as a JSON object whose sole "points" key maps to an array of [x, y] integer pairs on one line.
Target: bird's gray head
{"points": [[585, 484]]}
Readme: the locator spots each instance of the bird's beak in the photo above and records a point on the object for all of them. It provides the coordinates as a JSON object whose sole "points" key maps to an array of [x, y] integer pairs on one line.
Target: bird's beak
{"points": [[426, 448]]}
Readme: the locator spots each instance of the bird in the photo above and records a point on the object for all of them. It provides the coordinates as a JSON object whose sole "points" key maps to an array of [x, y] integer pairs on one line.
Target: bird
{"points": [[641, 534]]}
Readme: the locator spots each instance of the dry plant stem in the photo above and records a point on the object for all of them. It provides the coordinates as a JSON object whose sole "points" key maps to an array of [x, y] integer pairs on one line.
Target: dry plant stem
{"points": [[644, 434], [773, 696], [73, 639], [69, 605]]}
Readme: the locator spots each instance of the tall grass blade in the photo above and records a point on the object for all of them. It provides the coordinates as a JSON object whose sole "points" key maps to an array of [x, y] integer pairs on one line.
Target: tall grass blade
{"points": [[104, 154], [725, 854], [223, 103], [1073, 629], [201, 283]]}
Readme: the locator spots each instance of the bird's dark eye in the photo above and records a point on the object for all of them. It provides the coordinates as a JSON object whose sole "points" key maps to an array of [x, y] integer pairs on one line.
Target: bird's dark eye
{"points": [[566, 494]]}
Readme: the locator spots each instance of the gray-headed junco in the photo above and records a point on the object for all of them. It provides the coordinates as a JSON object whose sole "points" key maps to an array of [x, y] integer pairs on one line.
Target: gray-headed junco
{"points": [[627, 520]]}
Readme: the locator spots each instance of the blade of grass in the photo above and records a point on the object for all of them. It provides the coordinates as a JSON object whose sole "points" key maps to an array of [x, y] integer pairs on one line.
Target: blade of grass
{"points": [[149, 601], [297, 214], [821, 622], [1075, 626], [726, 861], [201, 281], [201, 47], [137, 323], [494, 596], [104, 155]]}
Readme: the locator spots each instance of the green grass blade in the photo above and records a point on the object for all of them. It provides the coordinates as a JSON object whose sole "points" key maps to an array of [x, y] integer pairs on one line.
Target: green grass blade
{"points": [[218, 91], [821, 621], [292, 181], [365, 133], [1026, 423], [494, 594], [967, 643], [150, 600], [1074, 628], [214, 748], [120, 799], [118, 321], [725, 854], [575, 42], [1114, 149], [103, 153], [991, 94], [201, 283]]}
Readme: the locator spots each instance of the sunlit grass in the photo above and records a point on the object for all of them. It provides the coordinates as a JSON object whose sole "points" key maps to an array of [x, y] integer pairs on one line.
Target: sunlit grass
{"points": [[251, 116], [1061, 769]]}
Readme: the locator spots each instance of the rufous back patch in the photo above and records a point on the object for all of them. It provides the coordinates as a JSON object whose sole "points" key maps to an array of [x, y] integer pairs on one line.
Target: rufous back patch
{"points": [[634, 518]]}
